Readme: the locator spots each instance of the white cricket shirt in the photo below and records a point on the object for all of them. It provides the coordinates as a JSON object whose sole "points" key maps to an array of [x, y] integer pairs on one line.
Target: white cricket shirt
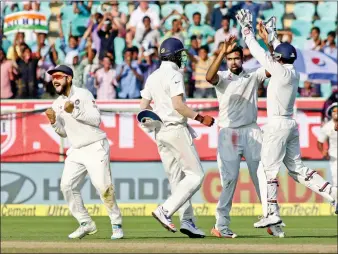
{"points": [[283, 84], [327, 132], [237, 97], [163, 84], [82, 125]]}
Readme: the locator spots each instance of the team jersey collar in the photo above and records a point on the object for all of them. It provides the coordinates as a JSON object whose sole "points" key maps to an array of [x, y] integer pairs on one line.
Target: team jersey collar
{"points": [[231, 74], [166, 64]]}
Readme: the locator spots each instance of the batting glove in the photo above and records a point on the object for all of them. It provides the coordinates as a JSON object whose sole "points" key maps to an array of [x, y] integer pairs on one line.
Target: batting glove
{"points": [[270, 27]]}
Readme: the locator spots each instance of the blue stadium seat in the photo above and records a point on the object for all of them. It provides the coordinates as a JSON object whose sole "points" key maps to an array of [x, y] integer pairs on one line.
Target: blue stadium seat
{"points": [[190, 9], [119, 45], [79, 25], [304, 11], [67, 13], [301, 28], [278, 11], [155, 8], [123, 8], [325, 27], [168, 8], [327, 10], [45, 9], [326, 89], [298, 41]]}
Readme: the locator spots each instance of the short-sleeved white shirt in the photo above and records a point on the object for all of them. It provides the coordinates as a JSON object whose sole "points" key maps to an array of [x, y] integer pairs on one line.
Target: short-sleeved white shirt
{"points": [[163, 84], [136, 18], [237, 97], [327, 132]]}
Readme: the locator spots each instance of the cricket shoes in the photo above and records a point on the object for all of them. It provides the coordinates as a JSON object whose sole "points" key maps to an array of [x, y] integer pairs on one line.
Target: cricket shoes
{"points": [[225, 233], [117, 232], [276, 230], [86, 228], [189, 228], [271, 220], [160, 214]]}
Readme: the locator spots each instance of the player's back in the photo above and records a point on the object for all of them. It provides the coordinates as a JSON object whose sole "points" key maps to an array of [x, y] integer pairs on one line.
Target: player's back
{"points": [[160, 85], [282, 91]]}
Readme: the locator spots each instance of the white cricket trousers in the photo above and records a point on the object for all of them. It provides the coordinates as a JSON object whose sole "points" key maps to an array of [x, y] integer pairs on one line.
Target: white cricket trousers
{"points": [[281, 145], [93, 159], [233, 143], [333, 168], [182, 166]]}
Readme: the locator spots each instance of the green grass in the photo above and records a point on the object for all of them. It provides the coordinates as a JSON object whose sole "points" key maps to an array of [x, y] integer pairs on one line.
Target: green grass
{"points": [[299, 230]]}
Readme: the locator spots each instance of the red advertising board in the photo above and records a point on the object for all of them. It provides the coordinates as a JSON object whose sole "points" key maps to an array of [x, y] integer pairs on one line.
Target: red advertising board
{"points": [[30, 138]]}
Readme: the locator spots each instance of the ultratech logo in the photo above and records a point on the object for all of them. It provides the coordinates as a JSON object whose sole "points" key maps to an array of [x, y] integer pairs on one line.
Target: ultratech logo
{"points": [[16, 188]]}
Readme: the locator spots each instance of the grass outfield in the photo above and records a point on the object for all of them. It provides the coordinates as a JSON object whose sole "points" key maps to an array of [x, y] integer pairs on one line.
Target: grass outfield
{"points": [[144, 234]]}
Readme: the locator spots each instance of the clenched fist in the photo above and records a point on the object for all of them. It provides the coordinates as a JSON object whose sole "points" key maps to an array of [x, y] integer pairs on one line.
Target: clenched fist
{"points": [[69, 106], [50, 113], [206, 120]]}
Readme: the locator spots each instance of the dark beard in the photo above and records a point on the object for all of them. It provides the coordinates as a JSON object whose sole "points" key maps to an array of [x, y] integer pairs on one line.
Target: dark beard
{"points": [[62, 91]]}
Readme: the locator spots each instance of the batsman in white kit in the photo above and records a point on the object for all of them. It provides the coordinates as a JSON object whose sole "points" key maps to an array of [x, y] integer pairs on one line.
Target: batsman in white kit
{"points": [[174, 138], [75, 115], [239, 134], [280, 134], [329, 133]]}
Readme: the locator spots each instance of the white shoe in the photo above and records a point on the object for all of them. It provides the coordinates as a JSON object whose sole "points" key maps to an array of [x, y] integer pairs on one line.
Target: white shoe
{"points": [[117, 232], [86, 228], [271, 220], [188, 228], [276, 230], [161, 215], [225, 233]]}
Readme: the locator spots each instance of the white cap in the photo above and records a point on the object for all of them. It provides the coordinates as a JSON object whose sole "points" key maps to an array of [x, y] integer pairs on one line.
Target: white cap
{"points": [[330, 109]]}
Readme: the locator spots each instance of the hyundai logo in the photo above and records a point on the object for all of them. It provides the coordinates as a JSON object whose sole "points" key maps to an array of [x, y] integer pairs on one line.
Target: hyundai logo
{"points": [[16, 188]]}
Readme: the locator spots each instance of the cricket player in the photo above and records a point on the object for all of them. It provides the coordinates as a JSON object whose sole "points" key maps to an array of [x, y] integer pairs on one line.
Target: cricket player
{"points": [[280, 134], [328, 133], [75, 115], [165, 88], [239, 133]]}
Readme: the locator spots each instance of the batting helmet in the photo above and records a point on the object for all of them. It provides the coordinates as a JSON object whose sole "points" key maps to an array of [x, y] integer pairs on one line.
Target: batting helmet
{"points": [[170, 47], [285, 51]]}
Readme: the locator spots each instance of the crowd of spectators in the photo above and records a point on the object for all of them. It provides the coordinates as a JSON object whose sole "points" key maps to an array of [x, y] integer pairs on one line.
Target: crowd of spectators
{"points": [[113, 72]]}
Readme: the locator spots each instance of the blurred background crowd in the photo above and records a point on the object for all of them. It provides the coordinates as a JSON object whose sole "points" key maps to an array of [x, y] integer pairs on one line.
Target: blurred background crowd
{"points": [[112, 46]]}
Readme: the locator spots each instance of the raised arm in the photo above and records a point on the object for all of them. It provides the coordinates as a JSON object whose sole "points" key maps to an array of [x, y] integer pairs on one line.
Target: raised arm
{"points": [[212, 76]]}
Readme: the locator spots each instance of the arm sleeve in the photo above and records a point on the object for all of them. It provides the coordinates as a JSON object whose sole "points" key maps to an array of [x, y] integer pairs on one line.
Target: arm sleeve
{"points": [[176, 85], [221, 80], [272, 66], [87, 111], [82, 44], [322, 137], [58, 127], [261, 75], [145, 93], [63, 44]]}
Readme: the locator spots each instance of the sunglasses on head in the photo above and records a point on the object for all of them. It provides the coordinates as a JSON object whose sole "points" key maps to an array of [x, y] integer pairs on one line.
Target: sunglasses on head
{"points": [[58, 76]]}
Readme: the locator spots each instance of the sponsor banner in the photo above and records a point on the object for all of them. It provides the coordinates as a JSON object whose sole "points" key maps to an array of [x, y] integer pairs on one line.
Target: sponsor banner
{"points": [[142, 183], [25, 21], [287, 209], [30, 137]]}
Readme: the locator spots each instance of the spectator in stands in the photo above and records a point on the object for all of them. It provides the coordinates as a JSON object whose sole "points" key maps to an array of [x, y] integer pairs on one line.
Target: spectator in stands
{"points": [[148, 62], [27, 68], [136, 17], [96, 19], [27, 6], [204, 33], [118, 16], [146, 34], [73, 43], [7, 76], [308, 90], [91, 67], [314, 43], [82, 7], [135, 54], [218, 14], [20, 37], [203, 89], [107, 32], [47, 56], [329, 45], [224, 32], [254, 9], [177, 30], [105, 80], [129, 77], [192, 53]]}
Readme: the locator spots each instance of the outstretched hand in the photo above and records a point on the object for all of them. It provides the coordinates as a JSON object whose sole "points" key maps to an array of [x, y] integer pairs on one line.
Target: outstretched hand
{"points": [[229, 45]]}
